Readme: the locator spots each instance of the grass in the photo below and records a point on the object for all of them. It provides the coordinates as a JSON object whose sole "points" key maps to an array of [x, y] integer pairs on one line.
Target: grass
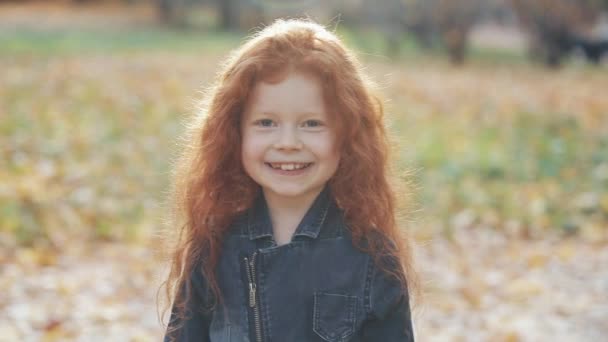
{"points": [[78, 42]]}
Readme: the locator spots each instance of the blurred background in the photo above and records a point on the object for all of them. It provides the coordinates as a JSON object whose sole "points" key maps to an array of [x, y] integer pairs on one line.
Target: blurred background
{"points": [[500, 108]]}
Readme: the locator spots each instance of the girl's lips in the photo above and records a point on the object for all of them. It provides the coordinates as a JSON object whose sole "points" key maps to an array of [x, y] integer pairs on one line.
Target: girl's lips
{"points": [[288, 165]]}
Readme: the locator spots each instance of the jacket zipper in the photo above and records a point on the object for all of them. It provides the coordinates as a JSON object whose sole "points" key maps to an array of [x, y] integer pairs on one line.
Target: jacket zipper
{"points": [[250, 267]]}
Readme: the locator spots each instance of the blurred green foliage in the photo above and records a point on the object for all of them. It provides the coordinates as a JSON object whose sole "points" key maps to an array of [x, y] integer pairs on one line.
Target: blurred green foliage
{"points": [[35, 41]]}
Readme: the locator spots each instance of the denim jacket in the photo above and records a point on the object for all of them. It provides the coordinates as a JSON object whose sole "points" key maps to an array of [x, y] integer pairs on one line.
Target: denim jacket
{"points": [[318, 287]]}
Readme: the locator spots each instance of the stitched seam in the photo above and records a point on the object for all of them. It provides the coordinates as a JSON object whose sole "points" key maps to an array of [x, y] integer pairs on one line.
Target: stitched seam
{"points": [[318, 328], [315, 317], [250, 224], [368, 287], [353, 314], [322, 219], [351, 303]]}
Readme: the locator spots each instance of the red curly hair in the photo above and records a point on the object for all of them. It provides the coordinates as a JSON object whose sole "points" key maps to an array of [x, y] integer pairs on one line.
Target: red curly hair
{"points": [[211, 187]]}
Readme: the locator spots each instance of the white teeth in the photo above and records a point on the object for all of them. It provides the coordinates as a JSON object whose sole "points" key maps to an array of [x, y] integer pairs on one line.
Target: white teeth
{"points": [[289, 167]]}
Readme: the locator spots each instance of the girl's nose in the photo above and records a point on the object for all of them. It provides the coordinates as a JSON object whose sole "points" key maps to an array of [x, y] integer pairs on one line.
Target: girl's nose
{"points": [[288, 140]]}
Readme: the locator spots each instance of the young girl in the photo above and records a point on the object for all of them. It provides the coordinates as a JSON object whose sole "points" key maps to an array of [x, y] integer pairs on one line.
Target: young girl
{"points": [[288, 229]]}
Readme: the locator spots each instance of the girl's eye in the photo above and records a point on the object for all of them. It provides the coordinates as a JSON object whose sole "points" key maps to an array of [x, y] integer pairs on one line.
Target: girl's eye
{"points": [[264, 123], [313, 123]]}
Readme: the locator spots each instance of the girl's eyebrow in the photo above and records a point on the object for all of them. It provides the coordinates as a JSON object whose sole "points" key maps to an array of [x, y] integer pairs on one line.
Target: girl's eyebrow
{"points": [[311, 114], [265, 113]]}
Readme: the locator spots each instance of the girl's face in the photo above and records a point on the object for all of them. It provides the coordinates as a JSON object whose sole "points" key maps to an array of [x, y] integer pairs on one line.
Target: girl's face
{"points": [[289, 145]]}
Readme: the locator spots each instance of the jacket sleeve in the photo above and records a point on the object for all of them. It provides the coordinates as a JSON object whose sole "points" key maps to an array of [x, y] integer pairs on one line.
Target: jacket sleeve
{"points": [[389, 311], [196, 325]]}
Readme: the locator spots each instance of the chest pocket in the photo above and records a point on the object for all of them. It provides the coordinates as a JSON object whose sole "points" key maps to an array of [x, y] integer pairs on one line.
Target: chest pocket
{"points": [[334, 316]]}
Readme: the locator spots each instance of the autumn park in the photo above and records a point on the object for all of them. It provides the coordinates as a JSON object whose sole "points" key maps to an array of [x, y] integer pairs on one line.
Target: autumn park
{"points": [[499, 110]]}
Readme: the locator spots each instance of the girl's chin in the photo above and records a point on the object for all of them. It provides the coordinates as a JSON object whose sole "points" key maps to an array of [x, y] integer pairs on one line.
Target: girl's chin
{"points": [[285, 192], [292, 191]]}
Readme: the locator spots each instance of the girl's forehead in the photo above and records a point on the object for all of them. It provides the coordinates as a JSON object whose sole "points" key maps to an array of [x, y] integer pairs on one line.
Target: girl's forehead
{"points": [[296, 91]]}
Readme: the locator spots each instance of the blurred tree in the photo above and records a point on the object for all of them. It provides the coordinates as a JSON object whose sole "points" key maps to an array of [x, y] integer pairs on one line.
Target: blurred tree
{"points": [[443, 22], [557, 27], [229, 14], [251, 13], [455, 20], [170, 11], [104, 1]]}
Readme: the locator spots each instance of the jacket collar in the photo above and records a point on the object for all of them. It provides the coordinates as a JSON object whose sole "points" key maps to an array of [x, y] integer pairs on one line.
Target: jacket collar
{"points": [[260, 225]]}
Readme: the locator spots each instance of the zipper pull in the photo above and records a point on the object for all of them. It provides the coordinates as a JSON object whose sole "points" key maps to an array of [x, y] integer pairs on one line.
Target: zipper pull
{"points": [[251, 295]]}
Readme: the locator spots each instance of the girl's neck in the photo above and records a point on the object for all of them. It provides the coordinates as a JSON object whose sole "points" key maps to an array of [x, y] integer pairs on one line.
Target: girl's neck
{"points": [[287, 213]]}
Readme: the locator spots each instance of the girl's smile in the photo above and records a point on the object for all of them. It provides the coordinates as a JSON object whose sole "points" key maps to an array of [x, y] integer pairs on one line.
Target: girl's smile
{"points": [[288, 165]]}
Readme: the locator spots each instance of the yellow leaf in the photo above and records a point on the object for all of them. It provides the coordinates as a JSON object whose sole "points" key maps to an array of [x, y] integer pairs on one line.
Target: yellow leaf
{"points": [[26, 256], [594, 233], [472, 296], [54, 332], [511, 336], [47, 257], [522, 289], [32, 256], [537, 260], [565, 252]]}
